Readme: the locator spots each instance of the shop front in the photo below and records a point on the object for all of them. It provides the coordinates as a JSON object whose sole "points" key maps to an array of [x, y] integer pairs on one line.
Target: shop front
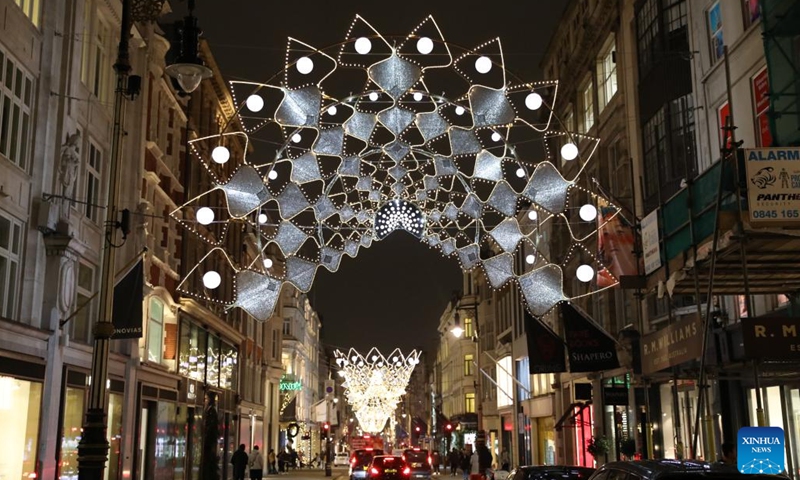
{"points": [[20, 412], [543, 434]]}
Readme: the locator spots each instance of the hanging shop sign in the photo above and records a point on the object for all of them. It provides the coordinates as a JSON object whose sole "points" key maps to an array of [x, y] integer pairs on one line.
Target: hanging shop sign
{"points": [[545, 348], [650, 243], [773, 185], [771, 337], [680, 342], [615, 396], [290, 384], [128, 298], [590, 347]]}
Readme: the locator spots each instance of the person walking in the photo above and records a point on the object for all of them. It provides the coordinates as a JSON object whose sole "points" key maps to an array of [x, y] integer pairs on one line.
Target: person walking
{"points": [[271, 462], [475, 466], [239, 460], [505, 460], [256, 463], [465, 464], [454, 461]]}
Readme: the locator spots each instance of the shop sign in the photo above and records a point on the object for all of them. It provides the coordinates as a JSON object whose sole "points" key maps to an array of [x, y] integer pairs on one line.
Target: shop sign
{"points": [[545, 348], [771, 337], [650, 243], [290, 385], [615, 396], [590, 347], [680, 342], [773, 185]]}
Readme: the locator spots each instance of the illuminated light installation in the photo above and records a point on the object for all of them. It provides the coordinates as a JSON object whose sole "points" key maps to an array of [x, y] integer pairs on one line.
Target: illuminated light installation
{"points": [[334, 173], [374, 384]]}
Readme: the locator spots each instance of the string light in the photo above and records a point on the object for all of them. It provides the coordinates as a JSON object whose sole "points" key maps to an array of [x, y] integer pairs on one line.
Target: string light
{"points": [[588, 212], [424, 45], [569, 151], [212, 280], [221, 154], [204, 216], [255, 103], [483, 65], [363, 45], [585, 273]]}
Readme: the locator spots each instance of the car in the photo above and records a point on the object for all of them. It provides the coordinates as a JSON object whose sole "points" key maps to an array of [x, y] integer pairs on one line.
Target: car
{"points": [[550, 472], [419, 461], [673, 470], [389, 467], [360, 460], [341, 460]]}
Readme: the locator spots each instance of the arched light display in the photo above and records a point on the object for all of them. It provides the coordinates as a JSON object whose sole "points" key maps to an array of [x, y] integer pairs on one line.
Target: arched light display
{"points": [[332, 173], [374, 383]]}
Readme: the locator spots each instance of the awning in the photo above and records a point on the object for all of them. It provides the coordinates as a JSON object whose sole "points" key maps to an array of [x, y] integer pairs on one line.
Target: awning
{"points": [[570, 414]]}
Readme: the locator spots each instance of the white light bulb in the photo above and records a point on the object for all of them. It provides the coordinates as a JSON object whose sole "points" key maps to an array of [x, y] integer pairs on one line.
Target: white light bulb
{"points": [[585, 273], [305, 65], [373, 96], [532, 215], [533, 101], [204, 215], [267, 263], [363, 45], [332, 110], [272, 174], [424, 45], [496, 137], [255, 103], [588, 212], [459, 110], [296, 138], [262, 218], [220, 154], [569, 151], [520, 172], [417, 96], [483, 64], [530, 259], [211, 280]]}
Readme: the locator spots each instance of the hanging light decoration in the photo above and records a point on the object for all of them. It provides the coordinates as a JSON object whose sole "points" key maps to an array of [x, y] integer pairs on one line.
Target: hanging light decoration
{"points": [[395, 156]]}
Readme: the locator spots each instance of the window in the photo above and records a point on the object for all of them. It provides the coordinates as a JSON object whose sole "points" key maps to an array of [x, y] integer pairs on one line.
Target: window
{"points": [[468, 328], [715, 32], [587, 107], [682, 156], [96, 67], [468, 359], [760, 85], [524, 376], [647, 30], [16, 92], [607, 70], [192, 359], [287, 326], [30, 8], [751, 12], [155, 330], [10, 245], [275, 344], [84, 317], [654, 143], [469, 403], [505, 383], [92, 182]]}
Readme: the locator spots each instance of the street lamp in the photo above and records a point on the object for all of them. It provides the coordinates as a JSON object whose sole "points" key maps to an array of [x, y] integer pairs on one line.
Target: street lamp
{"points": [[189, 70], [456, 330]]}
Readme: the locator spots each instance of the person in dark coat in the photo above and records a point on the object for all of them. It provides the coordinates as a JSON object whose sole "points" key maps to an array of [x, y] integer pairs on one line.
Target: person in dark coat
{"points": [[239, 461]]}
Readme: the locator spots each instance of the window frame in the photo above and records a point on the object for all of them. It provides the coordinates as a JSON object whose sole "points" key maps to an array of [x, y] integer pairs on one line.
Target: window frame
{"points": [[607, 73], [17, 90], [154, 324], [469, 329], [11, 253], [96, 61], [468, 359], [32, 9], [84, 301], [587, 119], [469, 402], [92, 182], [716, 37], [749, 18]]}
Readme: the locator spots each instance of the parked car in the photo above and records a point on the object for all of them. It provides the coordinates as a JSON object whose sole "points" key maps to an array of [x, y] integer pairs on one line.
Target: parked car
{"points": [[341, 460], [673, 470], [389, 467], [550, 472], [360, 461], [419, 461]]}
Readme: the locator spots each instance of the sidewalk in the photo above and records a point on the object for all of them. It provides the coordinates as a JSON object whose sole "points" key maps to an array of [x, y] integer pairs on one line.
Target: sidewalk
{"points": [[338, 473]]}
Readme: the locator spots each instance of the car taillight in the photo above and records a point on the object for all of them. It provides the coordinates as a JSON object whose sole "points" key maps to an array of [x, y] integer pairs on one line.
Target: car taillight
{"points": [[430, 460], [375, 471], [406, 471], [353, 460]]}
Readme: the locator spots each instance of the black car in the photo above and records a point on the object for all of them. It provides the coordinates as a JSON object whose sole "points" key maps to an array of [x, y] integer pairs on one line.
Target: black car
{"points": [[673, 470], [360, 461], [419, 461], [550, 472], [388, 467]]}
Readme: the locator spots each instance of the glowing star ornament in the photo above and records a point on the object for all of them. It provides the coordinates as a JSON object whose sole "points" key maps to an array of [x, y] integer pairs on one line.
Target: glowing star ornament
{"points": [[332, 175]]}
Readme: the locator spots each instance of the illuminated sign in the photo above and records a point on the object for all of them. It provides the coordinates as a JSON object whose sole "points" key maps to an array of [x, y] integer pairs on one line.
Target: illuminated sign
{"points": [[290, 385]]}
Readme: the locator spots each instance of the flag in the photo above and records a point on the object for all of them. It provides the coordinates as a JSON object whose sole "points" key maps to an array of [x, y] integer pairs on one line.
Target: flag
{"points": [[128, 298], [616, 243], [545, 348], [590, 347]]}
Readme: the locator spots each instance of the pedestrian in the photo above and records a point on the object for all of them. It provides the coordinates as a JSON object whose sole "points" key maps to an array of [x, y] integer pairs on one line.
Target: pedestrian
{"points": [[239, 460], [256, 463], [282, 462], [475, 466], [484, 460], [454, 461], [437, 460], [271, 462], [465, 464], [505, 460], [295, 457]]}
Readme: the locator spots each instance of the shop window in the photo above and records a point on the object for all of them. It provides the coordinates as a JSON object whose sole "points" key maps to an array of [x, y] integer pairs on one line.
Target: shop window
{"points": [[192, 362], [91, 180], [228, 366], [16, 86], [74, 408], [213, 361], [468, 359], [587, 106], [155, 330], [85, 304], [469, 403], [10, 245], [716, 42], [20, 405], [114, 433], [31, 9], [607, 73]]}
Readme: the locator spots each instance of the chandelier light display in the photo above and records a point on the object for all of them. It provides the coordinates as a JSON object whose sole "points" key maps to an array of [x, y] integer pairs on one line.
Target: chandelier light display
{"points": [[374, 384], [358, 140]]}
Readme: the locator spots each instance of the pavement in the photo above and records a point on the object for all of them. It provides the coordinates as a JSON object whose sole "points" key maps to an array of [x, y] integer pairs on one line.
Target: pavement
{"points": [[338, 473]]}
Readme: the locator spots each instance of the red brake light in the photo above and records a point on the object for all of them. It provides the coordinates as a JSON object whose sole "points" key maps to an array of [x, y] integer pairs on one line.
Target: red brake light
{"points": [[369, 449], [375, 471], [406, 471], [430, 460]]}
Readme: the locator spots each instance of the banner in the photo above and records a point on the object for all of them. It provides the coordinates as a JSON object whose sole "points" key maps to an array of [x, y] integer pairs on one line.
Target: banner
{"points": [[590, 347], [615, 246], [773, 186], [651, 245], [128, 298], [546, 350], [774, 338], [677, 343]]}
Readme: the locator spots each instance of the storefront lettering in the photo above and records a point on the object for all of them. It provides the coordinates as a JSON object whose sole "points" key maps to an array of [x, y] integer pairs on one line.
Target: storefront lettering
{"points": [[671, 338], [590, 357], [678, 343], [291, 386], [771, 337], [786, 330]]}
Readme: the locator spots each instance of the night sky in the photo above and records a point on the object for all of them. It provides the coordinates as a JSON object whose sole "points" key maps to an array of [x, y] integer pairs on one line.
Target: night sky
{"points": [[393, 293]]}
